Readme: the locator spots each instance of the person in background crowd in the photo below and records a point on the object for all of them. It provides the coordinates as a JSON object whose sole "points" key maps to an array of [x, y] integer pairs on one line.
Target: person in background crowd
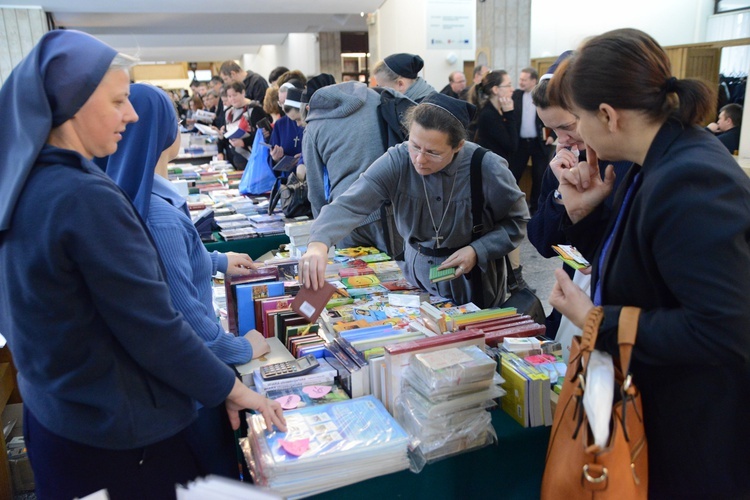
{"points": [[496, 120], [427, 178], [195, 103], [255, 85], [400, 72], [456, 85], [242, 115], [532, 142], [295, 76], [109, 375], [271, 104], [275, 74], [675, 244], [332, 166], [286, 138], [139, 167], [727, 127], [469, 93]]}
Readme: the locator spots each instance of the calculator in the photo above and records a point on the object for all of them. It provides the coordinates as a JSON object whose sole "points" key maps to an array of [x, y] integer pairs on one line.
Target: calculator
{"points": [[289, 368]]}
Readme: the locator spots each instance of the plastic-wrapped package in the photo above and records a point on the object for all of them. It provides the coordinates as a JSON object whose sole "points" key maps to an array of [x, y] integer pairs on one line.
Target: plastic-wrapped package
{"points": [[453, 367], [441, 437], [481, 399], [326, 447], [438, 395]]}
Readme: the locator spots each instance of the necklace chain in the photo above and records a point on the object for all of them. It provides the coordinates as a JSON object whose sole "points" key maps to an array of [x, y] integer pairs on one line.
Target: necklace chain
{"points": [[429, 209]]}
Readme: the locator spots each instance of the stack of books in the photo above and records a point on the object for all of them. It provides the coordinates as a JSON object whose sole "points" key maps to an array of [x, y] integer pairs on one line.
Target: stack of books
{"points": [[325, 447], [528, 388], [444, 400]]}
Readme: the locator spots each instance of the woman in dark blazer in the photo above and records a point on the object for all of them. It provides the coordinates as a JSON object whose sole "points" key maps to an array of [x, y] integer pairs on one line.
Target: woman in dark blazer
{"points": [[676, 243]]}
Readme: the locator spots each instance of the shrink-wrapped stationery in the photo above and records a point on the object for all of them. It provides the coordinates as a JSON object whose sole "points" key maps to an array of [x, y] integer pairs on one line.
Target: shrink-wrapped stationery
{"points": [[326, 447], [452, 367]]}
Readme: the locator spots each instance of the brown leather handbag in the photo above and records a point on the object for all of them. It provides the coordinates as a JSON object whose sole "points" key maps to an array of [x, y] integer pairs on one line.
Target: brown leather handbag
{"points": [[577, 468]]}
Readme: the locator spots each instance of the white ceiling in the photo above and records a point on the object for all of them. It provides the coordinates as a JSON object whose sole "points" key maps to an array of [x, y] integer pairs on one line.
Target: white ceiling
{"points": [[202, 30]]}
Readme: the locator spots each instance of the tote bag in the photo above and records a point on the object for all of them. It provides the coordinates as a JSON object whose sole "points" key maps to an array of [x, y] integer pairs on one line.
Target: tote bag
{"points": [[258, 178]]}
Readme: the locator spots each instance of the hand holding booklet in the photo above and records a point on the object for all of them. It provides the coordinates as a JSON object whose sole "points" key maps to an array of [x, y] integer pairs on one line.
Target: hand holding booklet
{"points": [[286, 164]]}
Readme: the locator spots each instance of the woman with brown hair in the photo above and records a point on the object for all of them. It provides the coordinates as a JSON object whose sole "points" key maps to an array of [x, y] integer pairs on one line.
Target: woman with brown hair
{"points": [[676, 243], [496, 120]]}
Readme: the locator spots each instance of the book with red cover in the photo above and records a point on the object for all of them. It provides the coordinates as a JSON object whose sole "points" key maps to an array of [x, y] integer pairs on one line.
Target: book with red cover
{"points": [[531, 329], [309, 303], [262, 306]]}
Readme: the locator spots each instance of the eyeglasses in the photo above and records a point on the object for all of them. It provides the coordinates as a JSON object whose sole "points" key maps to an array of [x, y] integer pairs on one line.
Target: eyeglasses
{"points": [[430, 156]]}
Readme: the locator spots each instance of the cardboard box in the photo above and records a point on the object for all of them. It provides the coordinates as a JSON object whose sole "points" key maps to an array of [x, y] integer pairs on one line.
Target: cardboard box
{"points": [[20, 468]]}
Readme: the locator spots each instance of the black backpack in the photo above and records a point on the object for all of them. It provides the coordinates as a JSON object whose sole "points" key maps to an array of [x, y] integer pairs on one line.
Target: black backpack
{"points": [[392, 107]]}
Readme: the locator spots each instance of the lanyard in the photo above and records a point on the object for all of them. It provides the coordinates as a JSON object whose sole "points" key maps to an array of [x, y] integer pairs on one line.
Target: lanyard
{"points": [[597, 286]]}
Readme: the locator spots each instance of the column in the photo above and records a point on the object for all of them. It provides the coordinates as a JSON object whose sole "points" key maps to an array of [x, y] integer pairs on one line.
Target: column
{"points": [[20, 29], [504, 35], [330, 54]]}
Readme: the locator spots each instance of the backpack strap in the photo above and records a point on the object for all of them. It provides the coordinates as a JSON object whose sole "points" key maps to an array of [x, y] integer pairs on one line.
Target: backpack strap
{"points": [[477, 206]]}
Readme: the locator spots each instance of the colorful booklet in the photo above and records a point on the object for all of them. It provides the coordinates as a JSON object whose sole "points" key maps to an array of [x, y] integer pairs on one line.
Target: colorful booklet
{"points": [[442, 274], [571, 256]]}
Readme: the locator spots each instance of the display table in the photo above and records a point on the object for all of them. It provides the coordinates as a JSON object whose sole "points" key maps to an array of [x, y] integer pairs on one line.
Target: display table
{"points": [[512, 469], [254, 247]]}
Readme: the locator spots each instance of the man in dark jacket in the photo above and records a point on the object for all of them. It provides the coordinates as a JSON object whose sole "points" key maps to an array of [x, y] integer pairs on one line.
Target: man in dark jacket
{"points": [[531, 141], [255, 85]]}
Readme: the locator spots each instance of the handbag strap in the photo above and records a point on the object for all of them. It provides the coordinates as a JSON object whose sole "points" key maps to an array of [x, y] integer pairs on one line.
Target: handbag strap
{"points": [[626, 333], [588, 338], [477, 207]]}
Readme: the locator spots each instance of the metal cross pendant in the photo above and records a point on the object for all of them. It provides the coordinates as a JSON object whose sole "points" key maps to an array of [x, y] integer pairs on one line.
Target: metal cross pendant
{"points": [[437, 239], [296, 140]]}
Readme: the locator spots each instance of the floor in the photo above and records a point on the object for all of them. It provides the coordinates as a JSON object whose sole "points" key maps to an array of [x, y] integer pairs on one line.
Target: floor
{"points": [[539, 272]]}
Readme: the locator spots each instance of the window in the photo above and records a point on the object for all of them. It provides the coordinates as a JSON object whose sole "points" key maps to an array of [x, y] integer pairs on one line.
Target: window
{"points": [[730, 5]]}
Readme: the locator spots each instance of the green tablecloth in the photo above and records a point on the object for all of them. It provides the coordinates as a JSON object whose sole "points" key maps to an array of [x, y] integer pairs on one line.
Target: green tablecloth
{"points": [[511, 469], [254, 247]]}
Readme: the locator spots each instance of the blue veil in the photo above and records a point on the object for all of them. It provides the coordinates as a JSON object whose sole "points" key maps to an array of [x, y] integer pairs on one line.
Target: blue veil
{"points": [[45, 90], [132, 166]]}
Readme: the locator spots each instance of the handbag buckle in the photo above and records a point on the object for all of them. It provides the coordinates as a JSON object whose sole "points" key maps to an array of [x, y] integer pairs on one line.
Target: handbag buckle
{"points": [[627, 383], [592, 479]]}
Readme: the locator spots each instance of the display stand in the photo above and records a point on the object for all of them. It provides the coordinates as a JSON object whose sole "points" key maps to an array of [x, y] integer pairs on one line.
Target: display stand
{"points": [[254, 247]]}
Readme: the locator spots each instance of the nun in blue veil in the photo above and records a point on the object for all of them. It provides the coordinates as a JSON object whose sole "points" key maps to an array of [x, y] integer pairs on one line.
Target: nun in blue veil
{"points": [[139, 167], [100, 351]]}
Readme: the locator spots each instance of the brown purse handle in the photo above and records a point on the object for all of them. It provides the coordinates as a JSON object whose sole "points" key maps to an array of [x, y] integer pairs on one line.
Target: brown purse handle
{"points": [[626, 332]]}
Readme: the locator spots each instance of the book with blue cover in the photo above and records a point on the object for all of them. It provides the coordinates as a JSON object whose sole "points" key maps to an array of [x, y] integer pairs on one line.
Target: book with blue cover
{"points": [[247, 294]]}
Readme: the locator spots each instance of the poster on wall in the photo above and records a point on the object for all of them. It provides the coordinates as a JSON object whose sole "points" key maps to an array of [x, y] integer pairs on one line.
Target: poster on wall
{"points": [[450, 24]]}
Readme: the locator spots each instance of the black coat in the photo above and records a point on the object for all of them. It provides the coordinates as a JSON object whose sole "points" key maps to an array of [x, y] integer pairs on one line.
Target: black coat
{"points": [[682, 254]]}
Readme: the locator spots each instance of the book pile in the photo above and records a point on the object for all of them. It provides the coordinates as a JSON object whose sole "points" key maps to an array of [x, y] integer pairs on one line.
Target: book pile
{"points": [[325, 447], [299, 234], [528, 388], [444, 400], [498, 324]]}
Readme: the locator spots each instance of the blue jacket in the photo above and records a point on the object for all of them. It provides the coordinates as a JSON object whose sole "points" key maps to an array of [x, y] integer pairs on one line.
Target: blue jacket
{"points": [[103, 359], [189, 269]]}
